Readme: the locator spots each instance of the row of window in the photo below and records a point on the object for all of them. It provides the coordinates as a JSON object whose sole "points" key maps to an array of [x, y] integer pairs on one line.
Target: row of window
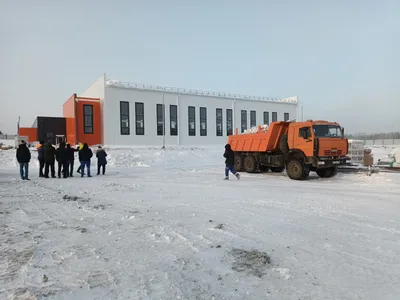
{"points": [[173, 115]]}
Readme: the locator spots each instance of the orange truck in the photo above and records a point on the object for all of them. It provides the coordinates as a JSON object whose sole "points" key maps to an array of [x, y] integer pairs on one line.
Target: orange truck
{"points": [[298, 147]]}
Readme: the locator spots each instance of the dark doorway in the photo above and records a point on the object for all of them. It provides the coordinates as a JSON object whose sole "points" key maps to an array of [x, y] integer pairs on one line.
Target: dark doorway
{"points": [[51, 128]]}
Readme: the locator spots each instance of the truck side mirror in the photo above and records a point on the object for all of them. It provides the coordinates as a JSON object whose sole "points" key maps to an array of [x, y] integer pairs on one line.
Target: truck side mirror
{"points": [[342, 131]]}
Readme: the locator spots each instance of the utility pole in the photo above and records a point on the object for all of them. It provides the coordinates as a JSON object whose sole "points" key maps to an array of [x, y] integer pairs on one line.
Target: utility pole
{"points": [[19, 118], [163, 107]]}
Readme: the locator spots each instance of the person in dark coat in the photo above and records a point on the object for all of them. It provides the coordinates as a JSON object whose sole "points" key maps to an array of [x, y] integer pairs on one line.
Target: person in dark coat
{"points": [[230, 162], [62, 159], [101, 160], [49, 153], [85, 154], [41, 158], [71, 158], [23, 158]]}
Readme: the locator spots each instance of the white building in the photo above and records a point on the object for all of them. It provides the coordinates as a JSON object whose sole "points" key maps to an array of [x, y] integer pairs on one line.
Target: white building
{"points": [[133, 114]]}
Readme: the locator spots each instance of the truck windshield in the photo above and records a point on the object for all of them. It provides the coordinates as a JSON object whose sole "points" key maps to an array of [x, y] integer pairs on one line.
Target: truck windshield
{"points": [[332, 131]]}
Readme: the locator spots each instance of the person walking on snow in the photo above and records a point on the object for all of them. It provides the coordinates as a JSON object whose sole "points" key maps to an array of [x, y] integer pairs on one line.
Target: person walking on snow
{"points": [[101, 160], [23, 158], [41, 158], [229, 162], [85, 154]]}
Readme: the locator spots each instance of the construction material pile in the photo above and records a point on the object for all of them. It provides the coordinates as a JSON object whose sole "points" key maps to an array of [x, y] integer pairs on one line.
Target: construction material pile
{"points": [[254, 129]]}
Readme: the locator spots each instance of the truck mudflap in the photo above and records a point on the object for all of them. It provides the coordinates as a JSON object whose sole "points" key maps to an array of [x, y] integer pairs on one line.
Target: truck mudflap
{"points": [[326, 162]]}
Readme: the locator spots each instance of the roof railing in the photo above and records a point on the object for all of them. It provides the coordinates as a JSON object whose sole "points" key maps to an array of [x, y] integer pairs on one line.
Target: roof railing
{"points": [[140, 86]]}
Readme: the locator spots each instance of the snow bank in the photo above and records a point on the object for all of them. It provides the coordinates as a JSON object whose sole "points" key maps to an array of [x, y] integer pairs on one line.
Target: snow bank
{"points": [[137, 157], [254, 129]]}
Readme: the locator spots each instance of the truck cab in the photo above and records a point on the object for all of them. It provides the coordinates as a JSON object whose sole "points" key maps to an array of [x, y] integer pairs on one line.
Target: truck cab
{"points": [[320, 144]]}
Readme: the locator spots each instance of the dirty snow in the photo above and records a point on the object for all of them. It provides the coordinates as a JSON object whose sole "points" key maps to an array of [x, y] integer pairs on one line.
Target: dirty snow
{"points": [[175, 230]]}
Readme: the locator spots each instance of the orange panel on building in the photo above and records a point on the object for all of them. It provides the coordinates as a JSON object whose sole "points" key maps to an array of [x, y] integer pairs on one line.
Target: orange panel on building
{"points": [[88, 121], [30, 132], [69, 113]]}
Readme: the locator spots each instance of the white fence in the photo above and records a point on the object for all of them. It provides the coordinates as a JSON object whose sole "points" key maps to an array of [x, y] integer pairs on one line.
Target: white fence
{"points": [[391, 142]]}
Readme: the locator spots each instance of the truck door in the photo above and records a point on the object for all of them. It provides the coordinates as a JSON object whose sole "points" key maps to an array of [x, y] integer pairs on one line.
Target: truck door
{"points": [[304, 141]]}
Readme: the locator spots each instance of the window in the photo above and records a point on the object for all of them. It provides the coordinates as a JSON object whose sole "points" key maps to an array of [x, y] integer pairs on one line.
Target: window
{"points": [[266, 118], [219, 122], [192, 121], [88, 119], [124, 117], [286, 117], [243, 120], [274, 116], [139, 111], [253, 118], [173, 119], [203, 121], [160, 119], [229, 122], [332, 131], [304, 132]]}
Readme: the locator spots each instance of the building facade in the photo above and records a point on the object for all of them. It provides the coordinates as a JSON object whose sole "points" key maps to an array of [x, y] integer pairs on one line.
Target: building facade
{"points": [[135, 114], [128, 114]]}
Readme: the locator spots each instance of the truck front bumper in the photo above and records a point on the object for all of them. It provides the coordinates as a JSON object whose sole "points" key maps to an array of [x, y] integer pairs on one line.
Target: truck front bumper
{"points": [[327, 162]]}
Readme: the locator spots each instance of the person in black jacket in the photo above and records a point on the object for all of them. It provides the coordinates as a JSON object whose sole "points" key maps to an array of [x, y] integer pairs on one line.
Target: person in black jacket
{"points": [[71, 158], [101, 160], [49, 153], [41, 158], [62, 159], [230, 162], [85, 154], [23, 158]]}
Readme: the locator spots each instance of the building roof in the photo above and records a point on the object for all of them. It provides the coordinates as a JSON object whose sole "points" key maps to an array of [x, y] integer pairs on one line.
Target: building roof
{"points": [[148, 87]]}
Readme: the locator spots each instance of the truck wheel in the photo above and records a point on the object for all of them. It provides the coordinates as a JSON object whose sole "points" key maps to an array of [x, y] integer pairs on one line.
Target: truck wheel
{"points": [[250, 164], [296, 170], [327, 173], [238, 162], [277, 169], [283, 144]]}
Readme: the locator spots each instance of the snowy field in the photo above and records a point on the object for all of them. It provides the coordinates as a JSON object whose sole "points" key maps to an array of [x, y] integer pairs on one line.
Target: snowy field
{"points": [[164, 225]]}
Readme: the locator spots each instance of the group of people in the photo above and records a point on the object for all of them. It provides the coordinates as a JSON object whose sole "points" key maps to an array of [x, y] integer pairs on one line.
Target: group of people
{"points": [[64, 155]]}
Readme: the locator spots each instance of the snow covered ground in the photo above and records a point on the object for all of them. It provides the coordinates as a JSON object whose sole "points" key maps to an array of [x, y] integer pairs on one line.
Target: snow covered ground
{"points": [[164, 225]]}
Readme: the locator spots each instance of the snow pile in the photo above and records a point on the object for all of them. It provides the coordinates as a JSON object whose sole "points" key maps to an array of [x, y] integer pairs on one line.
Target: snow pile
{"points": [[137, 157], [254, 129], [10, 143], [170, 157]]}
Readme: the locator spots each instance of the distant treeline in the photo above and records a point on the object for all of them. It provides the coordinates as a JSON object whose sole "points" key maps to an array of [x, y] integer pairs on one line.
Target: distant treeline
{"points": [[374, 136]]}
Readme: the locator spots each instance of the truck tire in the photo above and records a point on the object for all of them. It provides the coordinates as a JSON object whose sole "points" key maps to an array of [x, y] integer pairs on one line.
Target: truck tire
{"points": [[277, 169], [283, 144], [297, 170], [327, 173], [238, 162], [250, 164]]}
